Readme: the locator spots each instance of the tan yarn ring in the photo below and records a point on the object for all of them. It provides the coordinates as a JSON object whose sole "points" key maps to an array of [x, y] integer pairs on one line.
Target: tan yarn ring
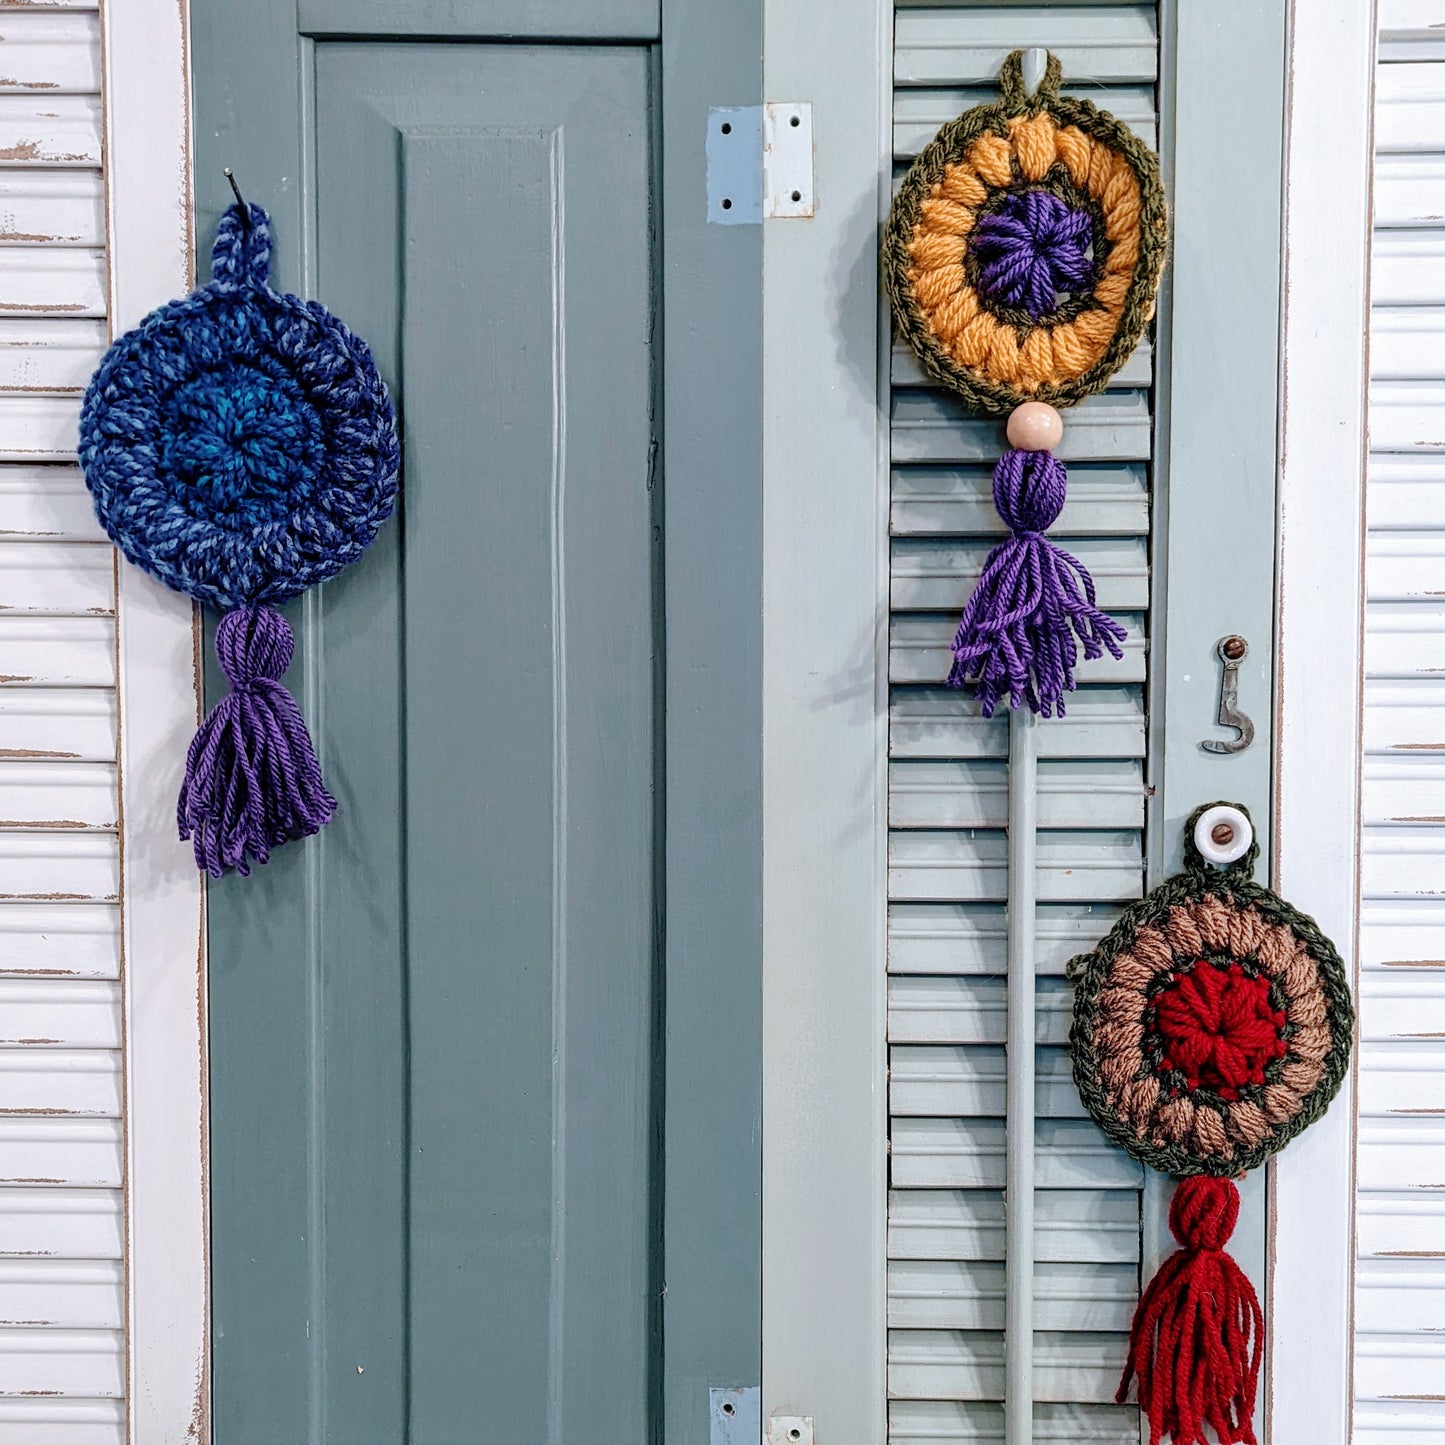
{"points": [[951, 297], [1211, 1025]]}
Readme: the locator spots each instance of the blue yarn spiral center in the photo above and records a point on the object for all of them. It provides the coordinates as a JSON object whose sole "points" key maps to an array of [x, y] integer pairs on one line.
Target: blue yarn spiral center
{"points": [[246, 444]]}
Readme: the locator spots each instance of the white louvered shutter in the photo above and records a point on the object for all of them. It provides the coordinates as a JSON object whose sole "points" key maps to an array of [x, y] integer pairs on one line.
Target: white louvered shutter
{"points": [[1400, 1270], [61, 1340], [947, 877]]}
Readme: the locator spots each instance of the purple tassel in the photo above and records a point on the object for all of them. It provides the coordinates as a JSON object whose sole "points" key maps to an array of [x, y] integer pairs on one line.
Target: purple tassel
{"points": [[252, 780], [1016, 635]]}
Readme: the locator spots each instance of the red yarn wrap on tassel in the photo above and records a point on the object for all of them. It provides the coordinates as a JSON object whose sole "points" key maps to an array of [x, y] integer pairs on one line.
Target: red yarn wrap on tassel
{"points": [[1198, 1336]]}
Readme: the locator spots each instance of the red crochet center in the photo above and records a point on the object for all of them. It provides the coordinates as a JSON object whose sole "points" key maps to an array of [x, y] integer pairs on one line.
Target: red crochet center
{"points": [[1218, 1028]]}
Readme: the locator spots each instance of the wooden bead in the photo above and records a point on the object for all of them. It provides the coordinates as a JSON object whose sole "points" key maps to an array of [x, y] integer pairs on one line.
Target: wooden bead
{"points": [[1035, 427]]}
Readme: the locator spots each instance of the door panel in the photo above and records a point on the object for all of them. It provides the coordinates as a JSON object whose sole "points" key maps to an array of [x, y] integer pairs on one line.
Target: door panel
{"points": [[477, 19], [473, 1183]]}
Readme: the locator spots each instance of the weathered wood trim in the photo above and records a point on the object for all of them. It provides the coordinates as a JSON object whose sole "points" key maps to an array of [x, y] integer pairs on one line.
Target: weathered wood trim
{"points": [[147, 157], [1310, 1309]]}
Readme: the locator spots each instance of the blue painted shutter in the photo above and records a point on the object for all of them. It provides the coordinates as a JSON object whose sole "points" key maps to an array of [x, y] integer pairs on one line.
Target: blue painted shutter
{"points": [[947, 876]]}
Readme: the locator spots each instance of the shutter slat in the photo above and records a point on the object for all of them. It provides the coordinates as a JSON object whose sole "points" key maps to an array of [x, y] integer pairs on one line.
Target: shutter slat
{"points": [[957, 1295], [1072, 794], [968, 1365], [931, 722], [1115, 44], [964, 1081], [1405, 268], [61, 1081], [907, 370], [53, 208], [1104, 501], [950, 1153], [53, 281], [58, 130], [45, 866], [74, 1153], [50, 53], [79, 1294], [919, 650], [1069, 1224], [969, 938], [57, 652], [947, 865], [930, 1422], [59, 940], [929, 426], [63, 1223], [45, 503], [939, 575], [65, 579], [49, 354]]}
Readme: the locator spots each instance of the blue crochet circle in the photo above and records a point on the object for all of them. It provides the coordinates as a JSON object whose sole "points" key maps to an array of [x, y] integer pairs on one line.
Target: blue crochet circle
{"points": [[239, 443]]}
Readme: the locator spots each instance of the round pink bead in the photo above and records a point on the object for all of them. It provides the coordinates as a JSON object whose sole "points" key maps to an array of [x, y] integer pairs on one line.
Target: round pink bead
{"points": [[1035, 427]]}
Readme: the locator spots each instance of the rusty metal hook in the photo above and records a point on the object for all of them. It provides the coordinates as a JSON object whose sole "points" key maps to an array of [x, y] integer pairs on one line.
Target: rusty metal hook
{"points": [[1232, 651]]}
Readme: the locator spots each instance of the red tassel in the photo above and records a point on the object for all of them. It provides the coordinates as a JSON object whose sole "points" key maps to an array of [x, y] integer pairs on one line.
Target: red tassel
{"points": [[1198, 1336]]}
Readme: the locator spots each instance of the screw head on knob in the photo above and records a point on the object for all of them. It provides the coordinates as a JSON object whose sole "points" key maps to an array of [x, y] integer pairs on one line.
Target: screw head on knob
{"points": [[1035, 427], [1223, 835]]}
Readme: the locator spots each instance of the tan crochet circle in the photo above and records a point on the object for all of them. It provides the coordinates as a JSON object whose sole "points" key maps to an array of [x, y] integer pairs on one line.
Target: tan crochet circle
{"points": [[1126, 1080]]}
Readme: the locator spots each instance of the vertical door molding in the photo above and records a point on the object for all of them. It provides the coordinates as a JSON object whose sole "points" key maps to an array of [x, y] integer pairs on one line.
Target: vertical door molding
{"points": [[825, 710], [1318, 681], [710, 448], [147, 164]]}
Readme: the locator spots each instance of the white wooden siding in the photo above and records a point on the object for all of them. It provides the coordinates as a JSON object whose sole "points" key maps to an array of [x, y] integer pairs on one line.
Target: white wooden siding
{"points": [[947, 855], [1400, 1225], [62, 1308]]}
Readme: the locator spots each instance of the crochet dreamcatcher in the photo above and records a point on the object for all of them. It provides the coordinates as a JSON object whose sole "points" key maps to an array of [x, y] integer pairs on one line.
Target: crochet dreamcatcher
{"points": [[1210, 1027], [240, 446], [1023, 253]]}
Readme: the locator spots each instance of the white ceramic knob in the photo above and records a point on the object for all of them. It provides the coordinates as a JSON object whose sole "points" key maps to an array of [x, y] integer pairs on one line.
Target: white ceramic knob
{"points": [[1223, 835], [1035, 427]]}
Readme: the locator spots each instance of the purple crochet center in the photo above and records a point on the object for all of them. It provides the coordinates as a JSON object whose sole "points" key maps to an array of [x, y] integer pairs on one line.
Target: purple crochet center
{"points": [[1032, 248], [252, 779], [1034, 605]]}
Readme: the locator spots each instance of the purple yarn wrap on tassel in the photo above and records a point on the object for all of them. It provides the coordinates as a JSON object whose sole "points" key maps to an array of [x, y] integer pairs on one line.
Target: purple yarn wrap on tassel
{"points": [[252, 779], [1017, 634]]}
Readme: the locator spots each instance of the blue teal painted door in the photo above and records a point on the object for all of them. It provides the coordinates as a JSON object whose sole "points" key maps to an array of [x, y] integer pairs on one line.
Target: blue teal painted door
{"points": [[435, 1188]]}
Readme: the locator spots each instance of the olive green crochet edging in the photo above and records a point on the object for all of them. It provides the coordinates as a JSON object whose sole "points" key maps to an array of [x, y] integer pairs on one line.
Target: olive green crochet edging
{"points": [[1091, 969], [950, 145]]}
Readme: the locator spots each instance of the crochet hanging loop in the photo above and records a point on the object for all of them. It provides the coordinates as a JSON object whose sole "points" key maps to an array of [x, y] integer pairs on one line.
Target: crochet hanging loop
{"points": [[1197, 1341], [241, 254], [1034, 606], [252, 780]]}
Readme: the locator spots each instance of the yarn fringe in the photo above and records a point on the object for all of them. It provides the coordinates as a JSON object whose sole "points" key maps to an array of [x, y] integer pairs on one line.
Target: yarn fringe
{"points": [[252, 780], [1034, 606], [1197, 1342]]}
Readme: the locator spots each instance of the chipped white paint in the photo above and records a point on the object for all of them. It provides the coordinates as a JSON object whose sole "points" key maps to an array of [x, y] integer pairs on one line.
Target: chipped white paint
{"points": [[101, 1221], [147, 110], [62, 1350], [1308, 1310]]}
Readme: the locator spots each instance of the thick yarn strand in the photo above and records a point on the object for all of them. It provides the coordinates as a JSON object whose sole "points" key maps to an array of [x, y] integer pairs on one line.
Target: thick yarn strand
{"points": [[1034, 605], [252, 780], [1197, 1341]]}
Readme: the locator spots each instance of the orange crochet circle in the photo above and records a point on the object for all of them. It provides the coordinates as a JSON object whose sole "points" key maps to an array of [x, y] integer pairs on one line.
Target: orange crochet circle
{"points": [[1027, 357], [1024, 248]]}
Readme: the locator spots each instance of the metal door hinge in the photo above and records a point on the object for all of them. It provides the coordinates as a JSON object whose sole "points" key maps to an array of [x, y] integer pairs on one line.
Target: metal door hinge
{"points": [[734, 1415], [790, 1430], [760, 163]]}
